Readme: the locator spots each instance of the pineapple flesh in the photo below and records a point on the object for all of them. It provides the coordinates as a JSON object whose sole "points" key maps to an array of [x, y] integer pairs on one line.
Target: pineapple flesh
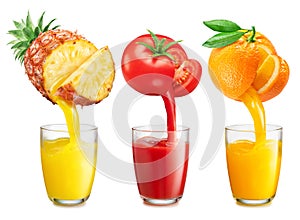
{"points": [[63, 61], [93, 79]]}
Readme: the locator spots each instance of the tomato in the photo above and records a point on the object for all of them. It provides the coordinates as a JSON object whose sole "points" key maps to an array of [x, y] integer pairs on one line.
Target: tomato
{"points": [[152, 64]]}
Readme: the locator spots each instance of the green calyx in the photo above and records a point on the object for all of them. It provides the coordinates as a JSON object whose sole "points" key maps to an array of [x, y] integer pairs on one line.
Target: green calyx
{"points": [[25, 33], [229, 32], [159, 48]]}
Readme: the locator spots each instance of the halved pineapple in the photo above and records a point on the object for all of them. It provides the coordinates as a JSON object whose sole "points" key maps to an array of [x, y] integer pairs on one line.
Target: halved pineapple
{"points": [[63, 61], [92, 81]]}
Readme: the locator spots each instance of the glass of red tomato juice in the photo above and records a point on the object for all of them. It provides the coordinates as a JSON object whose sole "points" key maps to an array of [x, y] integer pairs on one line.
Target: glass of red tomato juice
{"points": [[160, 163]]}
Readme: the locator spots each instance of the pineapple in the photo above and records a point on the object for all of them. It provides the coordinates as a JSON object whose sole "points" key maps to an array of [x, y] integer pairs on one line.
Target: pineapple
{"points": [[55, 62]]}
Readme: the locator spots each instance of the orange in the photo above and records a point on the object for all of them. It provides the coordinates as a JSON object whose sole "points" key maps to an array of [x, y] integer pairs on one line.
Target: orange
{"points": [[242, 64]]}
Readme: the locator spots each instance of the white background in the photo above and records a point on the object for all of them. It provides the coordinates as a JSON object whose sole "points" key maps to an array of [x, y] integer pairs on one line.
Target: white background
{"points": [[207, 193]]}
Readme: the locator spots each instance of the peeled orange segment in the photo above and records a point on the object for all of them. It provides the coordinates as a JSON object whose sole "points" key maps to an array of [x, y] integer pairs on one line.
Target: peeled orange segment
{"points": [[93, 79], [272, 74], [63, 61], [264, 52], [276, 83], [267, 73]]}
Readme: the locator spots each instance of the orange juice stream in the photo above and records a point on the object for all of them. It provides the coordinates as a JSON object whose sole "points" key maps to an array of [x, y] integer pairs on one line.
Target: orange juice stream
{"points": [[252, 101], [61, 156], [253, 165]]}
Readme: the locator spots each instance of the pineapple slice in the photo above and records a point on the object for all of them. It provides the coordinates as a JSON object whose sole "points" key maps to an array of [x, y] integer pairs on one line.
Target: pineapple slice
{"points": [[63, 61], [92, 81]]}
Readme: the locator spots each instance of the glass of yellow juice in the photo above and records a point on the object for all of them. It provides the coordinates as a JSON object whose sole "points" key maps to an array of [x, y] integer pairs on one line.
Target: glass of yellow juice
{"points": [[68, 163], [253, 164]]}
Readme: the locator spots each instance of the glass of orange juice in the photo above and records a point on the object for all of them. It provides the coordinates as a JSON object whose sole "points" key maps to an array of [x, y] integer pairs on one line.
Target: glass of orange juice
{"points": [[68, 164], [253, 166]]}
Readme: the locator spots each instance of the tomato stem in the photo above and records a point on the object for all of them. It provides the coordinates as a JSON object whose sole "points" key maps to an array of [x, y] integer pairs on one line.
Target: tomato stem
{"points": [[159, 49]]}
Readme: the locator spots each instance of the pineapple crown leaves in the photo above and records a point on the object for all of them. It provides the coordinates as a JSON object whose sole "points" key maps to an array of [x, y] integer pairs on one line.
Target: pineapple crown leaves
{"points": [[25, 33]]}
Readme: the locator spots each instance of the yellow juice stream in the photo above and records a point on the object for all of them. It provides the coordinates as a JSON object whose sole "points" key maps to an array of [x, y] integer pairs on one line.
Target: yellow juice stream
{"points": [[67, 172], [253, 166]]}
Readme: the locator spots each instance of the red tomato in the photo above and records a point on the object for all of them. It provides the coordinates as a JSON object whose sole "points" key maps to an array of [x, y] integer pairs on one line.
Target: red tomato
{"points": [[151, 65]]}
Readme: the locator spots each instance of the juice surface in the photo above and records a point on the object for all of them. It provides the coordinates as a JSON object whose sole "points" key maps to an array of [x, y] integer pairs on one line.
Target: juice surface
{"points": [[254, 168], [160, 167], [68, 174]]}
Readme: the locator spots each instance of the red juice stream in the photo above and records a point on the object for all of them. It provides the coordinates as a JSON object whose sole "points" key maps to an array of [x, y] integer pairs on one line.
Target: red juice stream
{"points": [[170, 107]]}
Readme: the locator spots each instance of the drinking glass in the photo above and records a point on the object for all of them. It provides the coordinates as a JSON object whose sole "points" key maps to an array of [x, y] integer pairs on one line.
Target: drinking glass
{"points": [[160, 162], [253, 165], [68, 165]]}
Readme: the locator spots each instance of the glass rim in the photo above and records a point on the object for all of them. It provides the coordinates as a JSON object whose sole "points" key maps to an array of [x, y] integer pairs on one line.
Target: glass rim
{"points": [[64, 128], [250, 128], [158, 128]]}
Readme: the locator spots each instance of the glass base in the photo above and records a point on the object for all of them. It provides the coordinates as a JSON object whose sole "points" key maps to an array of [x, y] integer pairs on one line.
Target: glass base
{"points": [[161, 202], [253, 202], [66, 202]]}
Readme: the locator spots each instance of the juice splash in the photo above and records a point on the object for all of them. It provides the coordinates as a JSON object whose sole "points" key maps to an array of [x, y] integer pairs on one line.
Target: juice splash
{"points": [[260, 158], [68, 171], [68, 157], [68, 70], [157, 65], [245, 66]]}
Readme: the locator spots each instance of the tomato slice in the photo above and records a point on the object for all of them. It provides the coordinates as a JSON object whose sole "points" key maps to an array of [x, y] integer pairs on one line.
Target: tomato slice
{"points": [[187, 77]]}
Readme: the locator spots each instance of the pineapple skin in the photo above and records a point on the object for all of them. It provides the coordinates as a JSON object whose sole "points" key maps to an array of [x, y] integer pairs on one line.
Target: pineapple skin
{"points": [[38, 51]]}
